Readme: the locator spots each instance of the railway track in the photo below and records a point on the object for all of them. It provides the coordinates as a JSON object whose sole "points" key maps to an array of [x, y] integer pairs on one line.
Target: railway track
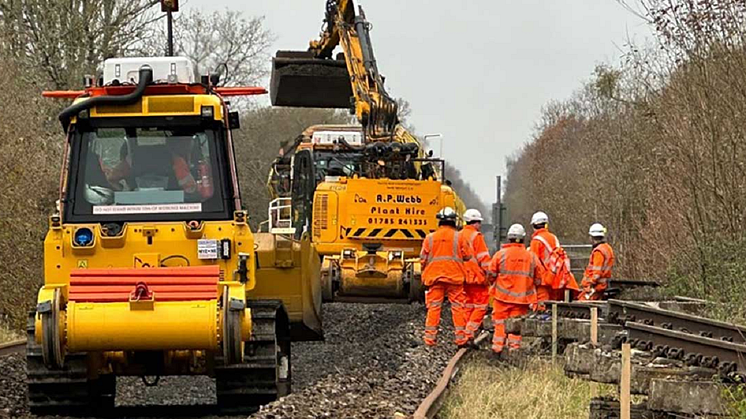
{"points": [[695, 340], [374, 365], [625, 311], [13, 347], [430, 406]]}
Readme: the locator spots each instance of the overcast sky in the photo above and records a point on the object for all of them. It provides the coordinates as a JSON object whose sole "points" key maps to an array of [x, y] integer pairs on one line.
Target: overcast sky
{"points": [[477, 71]]}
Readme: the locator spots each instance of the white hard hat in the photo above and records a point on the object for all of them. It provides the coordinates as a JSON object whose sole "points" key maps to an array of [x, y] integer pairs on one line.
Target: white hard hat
{"points": [[472, 215], [516, 231], [539, 218], [597, 230], [446, 213]]}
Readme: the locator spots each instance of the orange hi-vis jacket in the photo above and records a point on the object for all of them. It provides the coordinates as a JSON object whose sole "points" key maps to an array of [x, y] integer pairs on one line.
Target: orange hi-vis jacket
{"points": [[542, 244], [184, 175], [443, 254], [518, 273], [477, 266], [598, 272]]}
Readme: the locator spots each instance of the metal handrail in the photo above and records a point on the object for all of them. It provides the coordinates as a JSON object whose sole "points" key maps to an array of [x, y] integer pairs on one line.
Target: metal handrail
{"points": [[278, 208]]}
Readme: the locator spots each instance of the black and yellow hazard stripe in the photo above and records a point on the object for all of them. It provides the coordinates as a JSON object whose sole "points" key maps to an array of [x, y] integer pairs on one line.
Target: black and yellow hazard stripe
{"points": [[385, 233]]}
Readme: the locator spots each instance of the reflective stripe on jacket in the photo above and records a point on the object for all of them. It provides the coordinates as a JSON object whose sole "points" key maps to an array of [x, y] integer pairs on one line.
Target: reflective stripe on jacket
{"points": [[598, 272], [443, 255], [518, 272], [477, 266], [542, 244]]}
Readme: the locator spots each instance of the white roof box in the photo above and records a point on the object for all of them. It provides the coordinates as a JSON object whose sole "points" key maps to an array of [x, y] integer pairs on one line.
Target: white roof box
{"points": [[332, 137], [165, 69]]}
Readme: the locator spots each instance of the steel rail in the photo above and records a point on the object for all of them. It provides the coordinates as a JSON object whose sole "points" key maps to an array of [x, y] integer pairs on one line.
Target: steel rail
{"points": [[681, 345], [578, 309], [624, 311], [431, 404], [12, 347]]}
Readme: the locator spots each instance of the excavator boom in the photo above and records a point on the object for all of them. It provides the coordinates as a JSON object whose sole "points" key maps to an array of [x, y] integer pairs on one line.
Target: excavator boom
{"points": [[314, 78]]}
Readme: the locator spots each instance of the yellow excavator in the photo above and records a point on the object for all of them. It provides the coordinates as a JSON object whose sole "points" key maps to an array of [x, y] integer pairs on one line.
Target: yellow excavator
{"points": [[367, 193], [150, 266]]}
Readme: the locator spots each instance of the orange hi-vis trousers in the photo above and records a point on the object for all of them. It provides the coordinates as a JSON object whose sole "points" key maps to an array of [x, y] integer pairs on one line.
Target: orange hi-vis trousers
{"points": [[434, 297], [500, 312], [477, 303]]}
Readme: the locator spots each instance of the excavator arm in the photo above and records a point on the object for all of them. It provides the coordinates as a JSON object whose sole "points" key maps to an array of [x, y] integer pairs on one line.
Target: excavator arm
{"points": [[314, 79]]}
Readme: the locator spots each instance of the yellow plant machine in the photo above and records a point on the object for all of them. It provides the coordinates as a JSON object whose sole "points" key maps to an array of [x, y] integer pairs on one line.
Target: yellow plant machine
{"points": [[367, 219], [150, 266], [367, 193]]}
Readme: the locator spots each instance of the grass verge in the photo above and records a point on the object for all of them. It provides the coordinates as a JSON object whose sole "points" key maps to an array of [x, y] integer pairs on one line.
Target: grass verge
{"points": [[537, 390]]}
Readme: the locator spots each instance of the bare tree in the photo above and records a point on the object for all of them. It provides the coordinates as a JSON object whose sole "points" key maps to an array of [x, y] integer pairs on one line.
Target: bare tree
{"points": [[69, 38], [403, 112], [224, 41]]}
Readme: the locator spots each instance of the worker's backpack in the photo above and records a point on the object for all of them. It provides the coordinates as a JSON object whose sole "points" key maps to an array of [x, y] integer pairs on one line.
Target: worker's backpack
{"points": [[558, 274]]}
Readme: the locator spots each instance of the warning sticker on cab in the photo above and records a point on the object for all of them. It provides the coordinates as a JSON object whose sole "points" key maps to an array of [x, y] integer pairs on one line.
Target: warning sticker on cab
{"points": [[146, 209]]}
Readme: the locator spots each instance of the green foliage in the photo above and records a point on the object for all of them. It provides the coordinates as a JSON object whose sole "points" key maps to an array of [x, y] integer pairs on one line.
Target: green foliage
{"points": [[735, 397], [486, 390], [716, 274]]}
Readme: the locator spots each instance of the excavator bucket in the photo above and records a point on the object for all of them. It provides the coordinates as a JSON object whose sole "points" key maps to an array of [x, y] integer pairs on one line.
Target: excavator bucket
{"points": [[299, 79]]}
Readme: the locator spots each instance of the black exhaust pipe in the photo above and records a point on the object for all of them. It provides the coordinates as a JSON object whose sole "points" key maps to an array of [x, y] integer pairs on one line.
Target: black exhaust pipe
{"points": [[146, 78]]}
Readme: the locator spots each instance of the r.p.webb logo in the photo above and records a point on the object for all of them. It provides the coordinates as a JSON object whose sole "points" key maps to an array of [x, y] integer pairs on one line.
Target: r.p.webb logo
{"points": [[398, 199]]}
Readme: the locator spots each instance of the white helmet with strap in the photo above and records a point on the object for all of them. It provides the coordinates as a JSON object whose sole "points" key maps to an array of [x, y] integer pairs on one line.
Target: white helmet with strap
{"points": [[516, 231], [597, 230], [539, 217], [446, 213], [472, 215]]}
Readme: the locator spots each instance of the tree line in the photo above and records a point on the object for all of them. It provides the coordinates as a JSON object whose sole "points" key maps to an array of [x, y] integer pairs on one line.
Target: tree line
{"points": [[655, 149]]}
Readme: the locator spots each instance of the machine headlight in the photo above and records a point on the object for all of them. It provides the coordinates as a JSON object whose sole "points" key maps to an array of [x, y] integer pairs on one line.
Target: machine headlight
{"points": [[207, 111], [83, 237], [348, 253], [396, 254]]}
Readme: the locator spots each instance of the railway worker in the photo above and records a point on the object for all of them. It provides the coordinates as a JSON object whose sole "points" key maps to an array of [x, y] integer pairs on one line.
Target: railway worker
{"points": [[443, 254], [475, 283], [543, 243], [514, 272], [597, 274]]}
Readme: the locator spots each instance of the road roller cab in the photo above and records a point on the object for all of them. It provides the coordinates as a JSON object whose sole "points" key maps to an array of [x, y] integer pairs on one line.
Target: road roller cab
{"points": [[149, 264]]}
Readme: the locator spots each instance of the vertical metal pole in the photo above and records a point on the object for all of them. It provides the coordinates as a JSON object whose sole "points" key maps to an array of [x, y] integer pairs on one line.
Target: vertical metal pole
{"points": [[624, 384], [498, 218], [170, 30], [567, 296], [554, 333], [594, 326]]}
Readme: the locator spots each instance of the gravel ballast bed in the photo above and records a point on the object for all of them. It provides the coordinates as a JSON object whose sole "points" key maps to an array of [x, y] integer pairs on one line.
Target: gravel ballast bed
{"points": [[373, 364]]}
